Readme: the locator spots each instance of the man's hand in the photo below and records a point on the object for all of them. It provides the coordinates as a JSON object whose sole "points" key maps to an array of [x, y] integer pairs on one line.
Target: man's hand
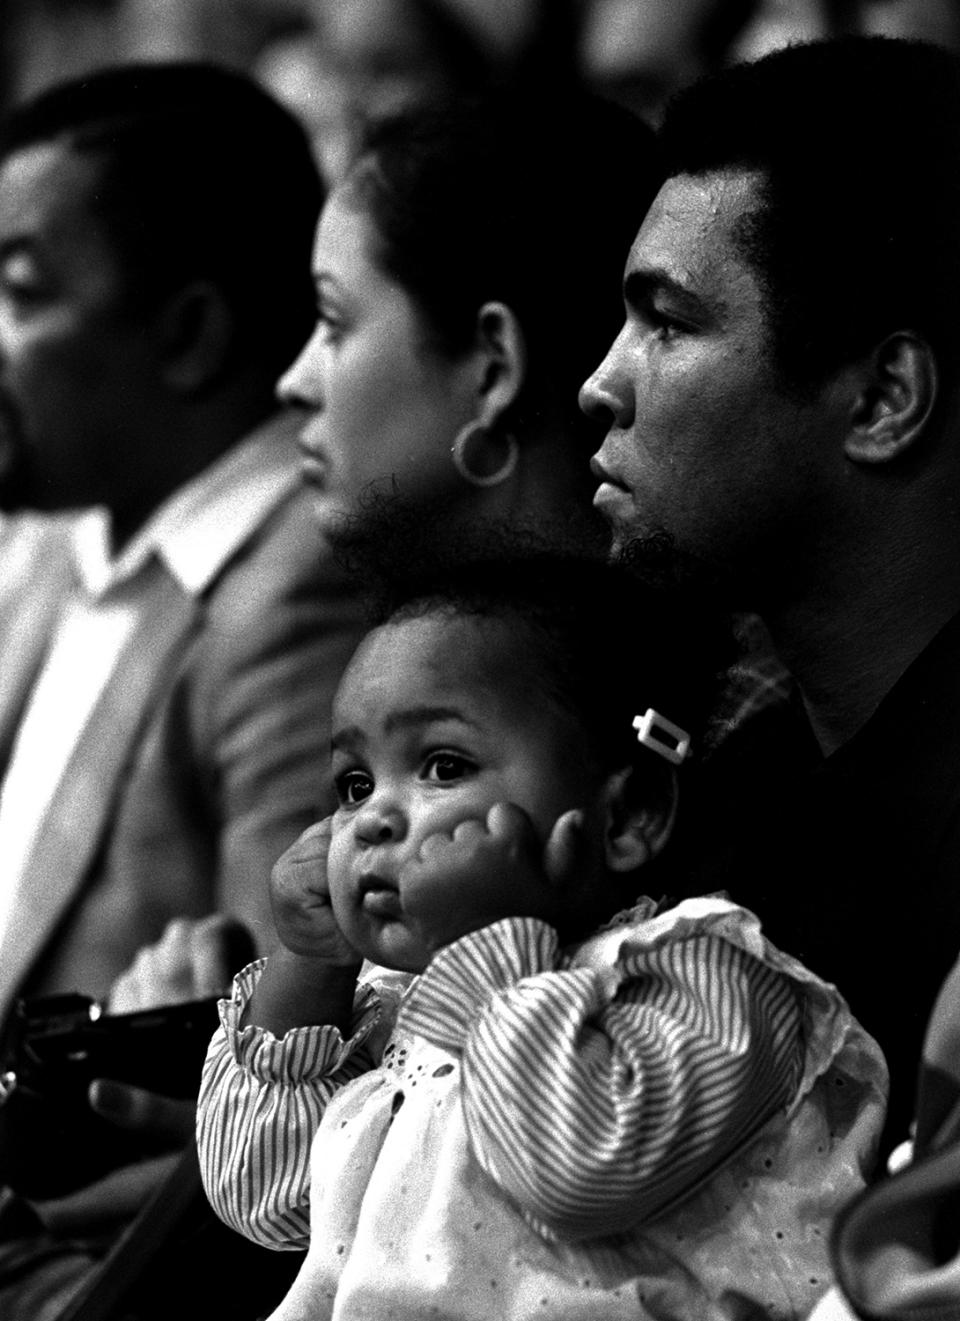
{"points": [[191, 961], [486, 870], [163, 1120], [300, 897], [107, 1205]]}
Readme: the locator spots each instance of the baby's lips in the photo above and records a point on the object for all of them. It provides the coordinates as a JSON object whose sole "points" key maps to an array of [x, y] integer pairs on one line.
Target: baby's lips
{"points": [[378, 899]]}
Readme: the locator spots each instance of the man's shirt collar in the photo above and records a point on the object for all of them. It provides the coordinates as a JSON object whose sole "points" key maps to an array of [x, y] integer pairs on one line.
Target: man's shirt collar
{"points": [[200, 526]]}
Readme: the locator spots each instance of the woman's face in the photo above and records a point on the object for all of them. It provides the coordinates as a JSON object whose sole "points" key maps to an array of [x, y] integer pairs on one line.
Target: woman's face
{"points": [[383, 408]]}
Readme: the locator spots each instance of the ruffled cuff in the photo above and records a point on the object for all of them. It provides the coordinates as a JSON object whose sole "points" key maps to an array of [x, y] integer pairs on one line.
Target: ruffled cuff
{"points": [[447, 999], [305, 1054]]}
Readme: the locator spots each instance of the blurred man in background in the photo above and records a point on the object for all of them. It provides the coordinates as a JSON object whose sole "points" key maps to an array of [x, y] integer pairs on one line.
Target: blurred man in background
{"points": [[163, 735]]}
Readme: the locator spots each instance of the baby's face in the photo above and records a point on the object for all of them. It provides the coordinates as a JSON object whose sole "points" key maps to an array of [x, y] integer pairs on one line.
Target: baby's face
{"points": [[435, 720]]}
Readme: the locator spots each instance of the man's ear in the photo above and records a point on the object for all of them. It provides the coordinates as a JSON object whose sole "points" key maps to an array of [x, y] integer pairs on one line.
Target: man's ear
{"points": [[894, 400], [638, 817], [196, 332], [502, 358]]}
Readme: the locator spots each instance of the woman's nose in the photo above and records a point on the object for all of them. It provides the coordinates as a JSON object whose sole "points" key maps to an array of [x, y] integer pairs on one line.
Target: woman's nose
{"points": [[377, 823]]}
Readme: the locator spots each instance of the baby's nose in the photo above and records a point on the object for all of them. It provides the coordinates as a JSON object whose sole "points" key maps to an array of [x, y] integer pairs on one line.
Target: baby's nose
{"points": [[377, 824]]}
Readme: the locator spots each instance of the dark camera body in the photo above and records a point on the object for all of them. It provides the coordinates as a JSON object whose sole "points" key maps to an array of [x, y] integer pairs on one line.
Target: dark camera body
{"points": [[50, 1140]]}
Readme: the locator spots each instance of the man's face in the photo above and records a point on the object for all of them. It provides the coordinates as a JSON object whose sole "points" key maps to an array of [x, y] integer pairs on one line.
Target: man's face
{"points": [[705, 443], [75, 367]]}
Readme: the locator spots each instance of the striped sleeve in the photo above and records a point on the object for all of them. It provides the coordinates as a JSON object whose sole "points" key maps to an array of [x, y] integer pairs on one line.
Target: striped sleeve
{"points": [[261, 1102], [595, 1097]]}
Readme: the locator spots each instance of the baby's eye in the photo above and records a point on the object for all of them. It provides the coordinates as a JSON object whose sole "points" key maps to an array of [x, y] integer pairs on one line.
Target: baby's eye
{"points": [[353, 787], [446, 766]]}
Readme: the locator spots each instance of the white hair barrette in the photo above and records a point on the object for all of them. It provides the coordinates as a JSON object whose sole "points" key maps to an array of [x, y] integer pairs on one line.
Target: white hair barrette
{"points": [[661, 735]]}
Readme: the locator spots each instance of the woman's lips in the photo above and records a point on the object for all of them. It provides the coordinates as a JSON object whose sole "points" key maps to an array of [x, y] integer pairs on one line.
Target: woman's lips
{"points": [[313, 469]]}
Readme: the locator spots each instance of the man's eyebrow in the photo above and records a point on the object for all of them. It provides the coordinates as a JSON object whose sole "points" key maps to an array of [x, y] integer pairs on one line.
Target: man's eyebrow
{"points": [[639, 286]]}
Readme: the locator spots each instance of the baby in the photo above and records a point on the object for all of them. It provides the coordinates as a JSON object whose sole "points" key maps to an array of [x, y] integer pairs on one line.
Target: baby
{"points": [[567, 1101]]}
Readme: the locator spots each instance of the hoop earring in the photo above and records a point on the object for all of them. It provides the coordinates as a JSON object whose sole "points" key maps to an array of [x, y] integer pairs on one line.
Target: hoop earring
{"points": [[467, 454]]}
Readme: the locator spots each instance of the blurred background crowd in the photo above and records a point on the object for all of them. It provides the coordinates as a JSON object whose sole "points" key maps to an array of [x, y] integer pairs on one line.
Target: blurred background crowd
{"points": [[325, 57], [197, 745]]}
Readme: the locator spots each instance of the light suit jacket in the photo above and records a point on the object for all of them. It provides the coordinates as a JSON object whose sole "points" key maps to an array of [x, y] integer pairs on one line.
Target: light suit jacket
{"points": [[205, 758]]}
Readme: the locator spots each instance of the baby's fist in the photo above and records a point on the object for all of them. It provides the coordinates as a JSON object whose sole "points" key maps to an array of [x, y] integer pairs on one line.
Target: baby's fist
{"points": [[478, 873], [300, 899]]}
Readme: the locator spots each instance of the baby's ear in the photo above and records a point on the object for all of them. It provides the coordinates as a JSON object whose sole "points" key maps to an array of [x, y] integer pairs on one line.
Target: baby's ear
{"points": [[639, 816]]}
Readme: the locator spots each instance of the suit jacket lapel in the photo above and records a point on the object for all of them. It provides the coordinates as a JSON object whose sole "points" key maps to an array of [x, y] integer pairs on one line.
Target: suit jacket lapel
{"points": [[79, 813]]}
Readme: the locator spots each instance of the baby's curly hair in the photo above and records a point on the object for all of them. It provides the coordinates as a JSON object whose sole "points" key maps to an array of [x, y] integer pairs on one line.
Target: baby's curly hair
{"points": [[607, 641]]}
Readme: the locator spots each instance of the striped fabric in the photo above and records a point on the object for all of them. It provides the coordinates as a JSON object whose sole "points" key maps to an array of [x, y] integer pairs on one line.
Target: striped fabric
{"points": [[593, 1096], [756, 682], [261, 1102]]}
